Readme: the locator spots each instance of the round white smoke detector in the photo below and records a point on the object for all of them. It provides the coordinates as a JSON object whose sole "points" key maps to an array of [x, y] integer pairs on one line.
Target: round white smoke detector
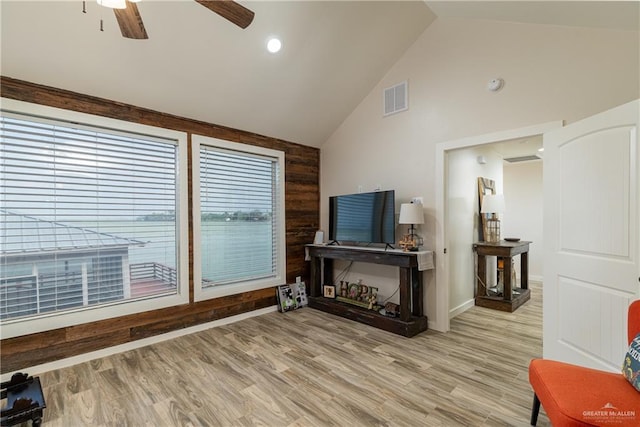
{"points": [[495, 85]]}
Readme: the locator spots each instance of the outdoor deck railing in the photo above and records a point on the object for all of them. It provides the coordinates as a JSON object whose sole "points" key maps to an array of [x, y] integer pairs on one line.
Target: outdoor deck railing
{"points": [[153, 270], [45, 292]]}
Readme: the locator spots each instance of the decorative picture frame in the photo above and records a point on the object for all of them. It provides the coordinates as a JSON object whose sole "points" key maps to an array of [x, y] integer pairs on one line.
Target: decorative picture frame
{"points": [[329, 291], [292, 296]]}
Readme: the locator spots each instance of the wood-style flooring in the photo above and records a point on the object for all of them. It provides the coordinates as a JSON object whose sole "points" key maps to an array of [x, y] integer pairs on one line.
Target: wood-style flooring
{"points": [[309, 368]]}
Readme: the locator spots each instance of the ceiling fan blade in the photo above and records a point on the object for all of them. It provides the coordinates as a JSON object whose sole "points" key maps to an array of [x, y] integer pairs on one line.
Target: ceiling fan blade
{"points": [[130, 22], [230, 10]]}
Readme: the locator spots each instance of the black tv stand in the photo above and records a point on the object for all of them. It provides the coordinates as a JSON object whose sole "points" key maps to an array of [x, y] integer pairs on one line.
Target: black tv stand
{"points": [[411, 320]]}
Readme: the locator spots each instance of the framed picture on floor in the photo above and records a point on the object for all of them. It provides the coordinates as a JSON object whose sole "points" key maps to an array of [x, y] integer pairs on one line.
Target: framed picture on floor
{"points": [[329, 291]]}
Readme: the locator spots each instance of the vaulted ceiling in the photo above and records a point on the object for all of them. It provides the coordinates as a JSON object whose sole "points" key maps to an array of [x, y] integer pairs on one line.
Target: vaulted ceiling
{"points": [[195, 64]]}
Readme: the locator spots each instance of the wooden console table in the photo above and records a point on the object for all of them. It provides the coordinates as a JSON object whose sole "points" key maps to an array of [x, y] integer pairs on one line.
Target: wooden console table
{"points": [[411, 320], [512, 296]]}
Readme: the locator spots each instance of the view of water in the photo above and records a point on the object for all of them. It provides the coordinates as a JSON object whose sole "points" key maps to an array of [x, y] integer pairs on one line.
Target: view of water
{"points": [[243, 251]]}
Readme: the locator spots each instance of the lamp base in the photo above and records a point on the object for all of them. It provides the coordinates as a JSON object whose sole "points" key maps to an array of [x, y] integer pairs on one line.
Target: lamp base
{"points": [[411, 241], [408, 243]]}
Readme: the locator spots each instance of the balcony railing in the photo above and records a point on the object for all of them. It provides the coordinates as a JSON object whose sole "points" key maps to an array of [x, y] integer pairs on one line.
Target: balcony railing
{"points": [[150, 278], [33, 294], [153, 270]]}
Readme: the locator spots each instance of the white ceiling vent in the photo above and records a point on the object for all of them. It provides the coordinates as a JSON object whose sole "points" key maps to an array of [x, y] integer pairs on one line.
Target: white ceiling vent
{"points": [[522, 158], [396, 99]]}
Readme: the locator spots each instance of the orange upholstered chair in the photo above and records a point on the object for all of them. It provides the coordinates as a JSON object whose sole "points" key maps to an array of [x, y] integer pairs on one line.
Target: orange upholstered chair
{"points": [[577, 396]]}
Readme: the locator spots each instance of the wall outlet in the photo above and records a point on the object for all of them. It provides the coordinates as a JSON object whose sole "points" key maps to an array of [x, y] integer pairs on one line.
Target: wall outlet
{"points": [[360, 189], [378, 187], [298, 279], [418, 199]]}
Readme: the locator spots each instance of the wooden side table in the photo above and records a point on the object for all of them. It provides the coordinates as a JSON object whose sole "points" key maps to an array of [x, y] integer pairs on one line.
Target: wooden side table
{"points": [[512, 296]]}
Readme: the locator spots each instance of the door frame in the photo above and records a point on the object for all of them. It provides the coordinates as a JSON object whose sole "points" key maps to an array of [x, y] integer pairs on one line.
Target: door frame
{"points": [[443, 314]]}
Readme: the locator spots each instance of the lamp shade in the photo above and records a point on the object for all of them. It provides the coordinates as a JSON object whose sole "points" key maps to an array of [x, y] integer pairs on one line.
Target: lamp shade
{"points": [[492, 203], [411, 213]]}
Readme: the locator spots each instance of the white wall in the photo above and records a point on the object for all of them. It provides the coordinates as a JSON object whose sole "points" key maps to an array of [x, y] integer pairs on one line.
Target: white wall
{"points": [[464, 220], [523, 210], [551, 73]]}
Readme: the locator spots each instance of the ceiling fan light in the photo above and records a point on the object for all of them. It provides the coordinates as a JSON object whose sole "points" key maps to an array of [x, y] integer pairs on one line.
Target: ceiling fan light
{"points": [[113, 4]]}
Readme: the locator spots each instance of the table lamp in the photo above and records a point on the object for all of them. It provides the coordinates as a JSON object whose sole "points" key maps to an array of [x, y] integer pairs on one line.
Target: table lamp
{"points": [[494, 205], [412, 213]]}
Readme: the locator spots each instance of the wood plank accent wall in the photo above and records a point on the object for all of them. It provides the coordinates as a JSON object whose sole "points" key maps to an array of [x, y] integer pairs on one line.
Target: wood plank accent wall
{"points": [[302, 207]]}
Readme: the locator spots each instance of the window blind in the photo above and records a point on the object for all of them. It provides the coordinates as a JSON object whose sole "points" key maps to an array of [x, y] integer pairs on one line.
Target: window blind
{"points": [[87, 216], [239, 216]]}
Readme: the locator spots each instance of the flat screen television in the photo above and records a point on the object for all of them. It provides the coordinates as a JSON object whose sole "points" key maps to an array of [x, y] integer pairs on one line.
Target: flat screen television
{"points": [[363, 217]]}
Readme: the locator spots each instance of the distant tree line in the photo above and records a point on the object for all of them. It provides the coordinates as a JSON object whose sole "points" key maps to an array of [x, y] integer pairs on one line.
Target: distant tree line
{"points": [[254, 215], [158, 216]]}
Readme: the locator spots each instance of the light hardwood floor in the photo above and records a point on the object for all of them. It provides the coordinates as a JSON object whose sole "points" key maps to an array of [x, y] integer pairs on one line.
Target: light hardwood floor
{"points": [[308, 368]]}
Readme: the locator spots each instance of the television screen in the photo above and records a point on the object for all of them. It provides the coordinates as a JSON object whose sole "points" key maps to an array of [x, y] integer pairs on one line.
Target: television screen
{"points": [[363, 217]]}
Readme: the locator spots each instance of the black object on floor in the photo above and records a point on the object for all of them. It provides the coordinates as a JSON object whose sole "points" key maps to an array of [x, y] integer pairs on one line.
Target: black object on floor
{"points": [[25, 400]]}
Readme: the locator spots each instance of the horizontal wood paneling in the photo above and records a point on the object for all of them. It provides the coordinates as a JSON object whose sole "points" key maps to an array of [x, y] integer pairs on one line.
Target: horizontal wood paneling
{"points": [[302, 195]]}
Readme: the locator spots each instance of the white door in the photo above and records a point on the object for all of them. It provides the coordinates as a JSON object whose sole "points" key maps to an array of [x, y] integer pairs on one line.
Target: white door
{"points": [[591, 237]]}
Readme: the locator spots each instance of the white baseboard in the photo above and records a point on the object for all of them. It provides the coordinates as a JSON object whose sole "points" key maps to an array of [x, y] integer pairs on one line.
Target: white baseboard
{"points": [[81, 358], [461, 308], [535, 279]]}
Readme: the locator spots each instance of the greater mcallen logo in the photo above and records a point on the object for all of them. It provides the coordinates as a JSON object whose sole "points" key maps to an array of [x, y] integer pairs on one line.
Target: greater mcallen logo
{"points": [[609, 413]]}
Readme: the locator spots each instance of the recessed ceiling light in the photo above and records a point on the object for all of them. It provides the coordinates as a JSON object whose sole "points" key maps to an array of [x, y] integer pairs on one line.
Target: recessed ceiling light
{"points": [[274, 45], [113, 4]]}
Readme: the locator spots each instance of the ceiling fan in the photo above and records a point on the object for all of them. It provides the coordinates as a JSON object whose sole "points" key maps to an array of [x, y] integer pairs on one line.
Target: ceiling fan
{"points": [[131, 25]]}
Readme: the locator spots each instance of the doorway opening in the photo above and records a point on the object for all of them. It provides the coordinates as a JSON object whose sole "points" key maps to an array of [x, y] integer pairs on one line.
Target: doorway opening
{"points": [[454, 291]]}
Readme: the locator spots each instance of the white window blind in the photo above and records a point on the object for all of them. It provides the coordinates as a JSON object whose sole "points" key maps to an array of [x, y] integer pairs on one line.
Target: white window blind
{"points": [[87, 216], [240, 216]]}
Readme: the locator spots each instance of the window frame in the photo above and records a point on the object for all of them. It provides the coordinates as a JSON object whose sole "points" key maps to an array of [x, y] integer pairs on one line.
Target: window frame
{"points": [[55, 320], [200, 293]]}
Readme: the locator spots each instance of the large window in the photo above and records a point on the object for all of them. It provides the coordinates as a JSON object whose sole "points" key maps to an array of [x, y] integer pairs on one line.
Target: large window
{"points": [[238, 217], [89, 216]]}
